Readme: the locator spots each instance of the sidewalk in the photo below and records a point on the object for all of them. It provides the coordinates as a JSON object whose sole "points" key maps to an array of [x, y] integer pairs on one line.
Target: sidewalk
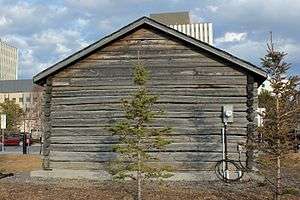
{"points": [[33, 149]]}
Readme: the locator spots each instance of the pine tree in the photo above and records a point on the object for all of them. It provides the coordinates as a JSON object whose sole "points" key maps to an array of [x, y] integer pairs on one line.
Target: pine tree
{"points": [[281, 114], [266, 100], [137, 137]]}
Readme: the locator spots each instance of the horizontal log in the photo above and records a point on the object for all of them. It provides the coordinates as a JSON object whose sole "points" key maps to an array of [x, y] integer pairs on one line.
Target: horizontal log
{"points": [[215, 92], [155, 46], [157, 63], [131, 50], [120, 114], [175, 166], [62, 88], [132, 55], [174, 147], [150, 46], [132, 46], [99, 131], [173, 139], [89, 124], [143, 31], [163, 80], [161, 99], [162, 156], [150, 58], [134, 42], [119, 71], [169, 122], [168, 107], [84, 139]]}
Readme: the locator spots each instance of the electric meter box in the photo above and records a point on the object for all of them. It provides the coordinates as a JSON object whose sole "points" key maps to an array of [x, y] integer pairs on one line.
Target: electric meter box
{"points": [[227, 113]]}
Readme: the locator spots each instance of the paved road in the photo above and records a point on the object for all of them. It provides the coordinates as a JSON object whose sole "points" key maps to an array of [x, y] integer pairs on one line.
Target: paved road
{"points": [[34, 149]]}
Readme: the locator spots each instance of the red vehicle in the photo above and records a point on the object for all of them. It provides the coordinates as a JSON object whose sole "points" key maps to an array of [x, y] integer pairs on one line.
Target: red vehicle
{"points": [[11, 140]]}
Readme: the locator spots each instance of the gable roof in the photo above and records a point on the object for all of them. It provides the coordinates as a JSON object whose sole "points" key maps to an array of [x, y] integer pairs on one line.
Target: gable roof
{"points": [[40, 77]]}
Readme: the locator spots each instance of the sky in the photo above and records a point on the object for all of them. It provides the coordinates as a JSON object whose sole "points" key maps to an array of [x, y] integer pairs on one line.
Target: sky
{"points": [[46, 31]]}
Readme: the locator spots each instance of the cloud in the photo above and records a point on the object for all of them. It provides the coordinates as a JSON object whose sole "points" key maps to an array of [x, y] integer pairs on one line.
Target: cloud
{"points": [[81, 22], [242, 49], [89, 4], [62, 49], [292, 48], [251, 50], [18, 40], [48, 32], [212, 8], [232, 37], [5, 21], [105, 24], [195, 16]]}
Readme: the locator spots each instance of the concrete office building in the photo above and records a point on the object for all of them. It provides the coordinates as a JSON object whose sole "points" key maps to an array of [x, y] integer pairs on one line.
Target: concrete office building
{"points": [[181, 22], [19, 91], [27, 95], [8, 61]]}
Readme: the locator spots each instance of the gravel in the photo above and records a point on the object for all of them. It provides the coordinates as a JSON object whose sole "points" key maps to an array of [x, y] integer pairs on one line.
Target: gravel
{"points": [[22, 186]]}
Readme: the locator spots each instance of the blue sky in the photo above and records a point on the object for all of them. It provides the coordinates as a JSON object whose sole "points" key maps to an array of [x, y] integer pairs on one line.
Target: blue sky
{"points": [[47, 31]]}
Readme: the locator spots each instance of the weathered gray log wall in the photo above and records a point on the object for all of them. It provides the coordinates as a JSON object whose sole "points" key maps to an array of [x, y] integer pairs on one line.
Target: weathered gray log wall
{"points": [[252, 104], [192, 85], [47, 124]]}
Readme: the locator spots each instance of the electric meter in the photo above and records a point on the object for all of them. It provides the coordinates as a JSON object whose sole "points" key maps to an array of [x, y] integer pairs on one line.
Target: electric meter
{"points": [[228, 113]]}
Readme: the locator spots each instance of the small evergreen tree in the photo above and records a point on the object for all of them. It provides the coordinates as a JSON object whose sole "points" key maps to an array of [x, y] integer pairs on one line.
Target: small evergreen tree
{"points": [[281, 114], [137, 137]]}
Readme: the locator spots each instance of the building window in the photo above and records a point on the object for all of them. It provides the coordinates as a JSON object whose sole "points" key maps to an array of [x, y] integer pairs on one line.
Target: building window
{"points": [[20, 99], [27, 99], [6, 99], [14, 99]]}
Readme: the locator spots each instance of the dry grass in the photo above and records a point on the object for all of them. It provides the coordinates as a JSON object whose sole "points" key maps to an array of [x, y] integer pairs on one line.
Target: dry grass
{"points": [[19, 163], [78, 190], [292, 161], [84, 190]]}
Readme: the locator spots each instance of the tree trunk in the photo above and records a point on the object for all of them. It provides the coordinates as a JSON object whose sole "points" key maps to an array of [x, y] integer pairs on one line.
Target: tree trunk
{"points": [[278, 179], [139, 178]]}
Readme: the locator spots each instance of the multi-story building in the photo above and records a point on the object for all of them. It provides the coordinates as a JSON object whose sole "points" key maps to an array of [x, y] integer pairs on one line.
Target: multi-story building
{"points": [[8, 61], [27, 95], [181, 21], [19, 91]]}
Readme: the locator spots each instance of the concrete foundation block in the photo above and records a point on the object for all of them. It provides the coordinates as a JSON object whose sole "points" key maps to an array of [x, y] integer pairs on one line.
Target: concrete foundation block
{"points": [[72, 174]]}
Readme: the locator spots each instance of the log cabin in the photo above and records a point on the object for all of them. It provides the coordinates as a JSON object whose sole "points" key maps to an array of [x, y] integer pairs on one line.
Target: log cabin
{"points": [[194, 80]]}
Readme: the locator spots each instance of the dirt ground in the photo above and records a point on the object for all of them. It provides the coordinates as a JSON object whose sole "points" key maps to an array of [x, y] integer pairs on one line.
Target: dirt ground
{"points": [[79, 190], [19, 163], [21, 186]]}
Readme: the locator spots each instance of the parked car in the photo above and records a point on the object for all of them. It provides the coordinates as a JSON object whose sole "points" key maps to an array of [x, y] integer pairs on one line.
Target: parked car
{"points": [[11, 140]]}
